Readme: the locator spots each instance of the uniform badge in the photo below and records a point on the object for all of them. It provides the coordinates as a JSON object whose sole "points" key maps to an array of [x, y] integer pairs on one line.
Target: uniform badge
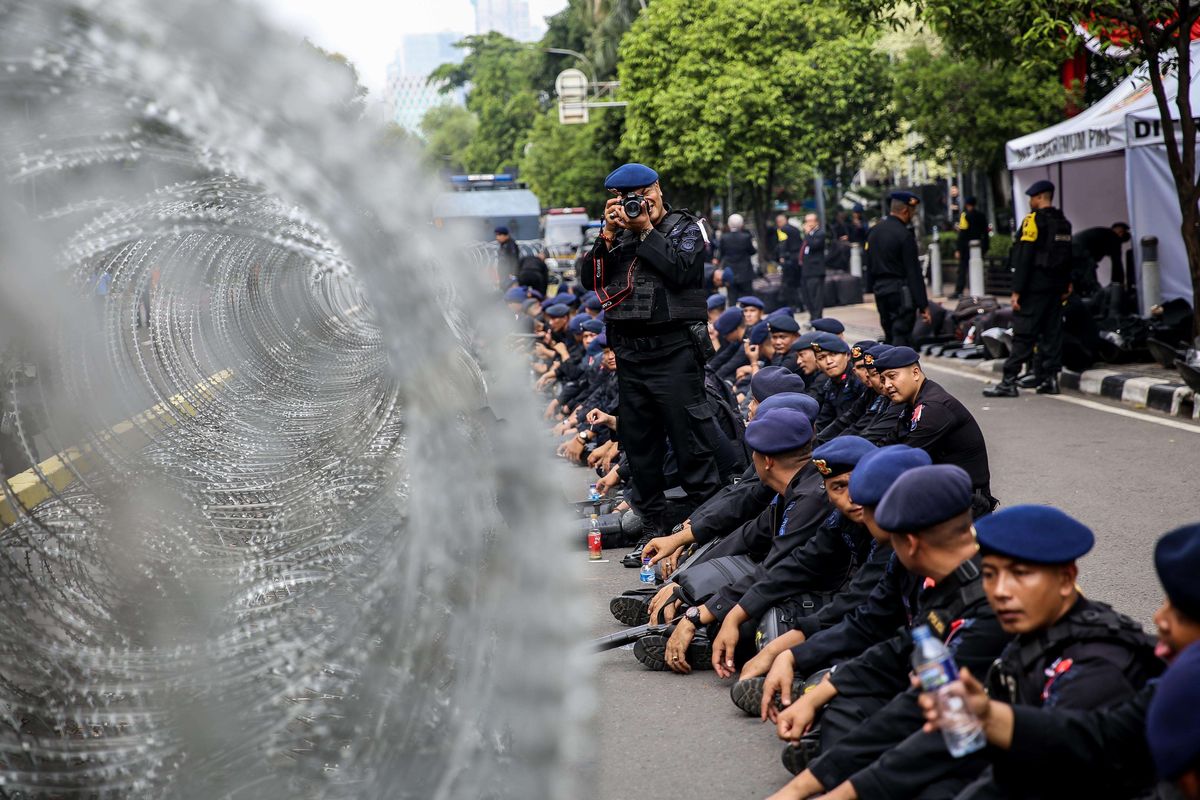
{"points": [[916, 416], [936, 623], [856, 352], [868, 359], [821, 466], [1029, 230]]}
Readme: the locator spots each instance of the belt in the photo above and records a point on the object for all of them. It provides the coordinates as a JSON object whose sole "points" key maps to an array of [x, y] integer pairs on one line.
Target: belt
{"points": [[648, 343]]}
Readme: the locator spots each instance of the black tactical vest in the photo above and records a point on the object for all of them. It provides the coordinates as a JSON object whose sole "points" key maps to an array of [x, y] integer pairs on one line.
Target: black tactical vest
{"points": [[1054, 250], [681, 305]]}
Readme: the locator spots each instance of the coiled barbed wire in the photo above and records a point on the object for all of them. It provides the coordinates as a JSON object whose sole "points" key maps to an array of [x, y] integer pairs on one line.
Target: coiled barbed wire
{"points": [[254, 544]]}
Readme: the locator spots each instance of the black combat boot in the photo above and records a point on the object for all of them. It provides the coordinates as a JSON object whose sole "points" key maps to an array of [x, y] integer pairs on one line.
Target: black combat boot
{"points": [[1029, 381], [1004, 388], [1049, 386]]}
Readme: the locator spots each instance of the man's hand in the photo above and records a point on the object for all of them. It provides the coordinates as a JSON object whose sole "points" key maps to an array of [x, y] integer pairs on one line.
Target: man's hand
{"points": [[795, 720], [778, 681], [724, 644], [598, 417], [609, 482], [612, 217], [572, 450], [743, 372], [925, 315], [660, 547], [1016, 301], [677, 646], [956, 254], [545, 381], [668, 565], [977, 701], [662, 600]]}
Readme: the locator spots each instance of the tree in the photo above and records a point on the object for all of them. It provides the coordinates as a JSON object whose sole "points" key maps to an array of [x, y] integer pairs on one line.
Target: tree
{"points": [[498, 73], [448, 131], [563, 165]]}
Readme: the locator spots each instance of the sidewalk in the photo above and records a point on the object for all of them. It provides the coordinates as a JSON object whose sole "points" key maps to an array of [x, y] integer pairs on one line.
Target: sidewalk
{"points": [[1139, 386]]}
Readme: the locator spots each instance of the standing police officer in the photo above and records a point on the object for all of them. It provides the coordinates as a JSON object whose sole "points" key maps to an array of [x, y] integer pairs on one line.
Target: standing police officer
{"points": [[972, 227], [1041, 281], [894, 271], [648, 270]]}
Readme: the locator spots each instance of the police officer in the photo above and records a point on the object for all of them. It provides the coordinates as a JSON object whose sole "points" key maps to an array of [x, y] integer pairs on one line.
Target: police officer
{"points": [[790, 241], [894, 271], [1041, 282], [844, 388], [812, 266], [972, 227], [508, 254], [648, 270]]}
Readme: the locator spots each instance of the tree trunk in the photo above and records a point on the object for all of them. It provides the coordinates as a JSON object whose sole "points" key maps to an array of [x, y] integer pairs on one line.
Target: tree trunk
{"points": [[1190, 230]]}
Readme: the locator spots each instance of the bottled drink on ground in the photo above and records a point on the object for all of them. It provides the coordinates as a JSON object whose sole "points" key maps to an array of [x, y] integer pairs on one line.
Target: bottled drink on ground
{"points": [[647, 574], [594, 539], [593, 492], [935, 667]]}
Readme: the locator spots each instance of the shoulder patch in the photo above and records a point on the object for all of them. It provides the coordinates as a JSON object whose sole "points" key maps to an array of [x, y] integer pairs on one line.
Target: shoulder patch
{"points": [[962, 222], [1029, 228], [916, 416], [690, 237]]}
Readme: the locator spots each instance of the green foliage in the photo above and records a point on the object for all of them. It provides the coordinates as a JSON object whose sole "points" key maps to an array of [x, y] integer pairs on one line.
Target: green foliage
{"points": [[499, 72], [448, 131], [968, 108], [563, 164]]}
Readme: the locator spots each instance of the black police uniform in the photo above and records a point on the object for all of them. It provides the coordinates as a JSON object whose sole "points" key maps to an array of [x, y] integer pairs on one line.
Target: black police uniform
{"points": [[878, 425], [848, 418], [812, 273], [938, 423], [788, 254], [532, 272], [1089, 247], [735, 249], [1041, 274], [732, 506], [868, 576], [837, 396], [508, 256], [651, 288], [894, 274], [972, 226], [1091, 658]]}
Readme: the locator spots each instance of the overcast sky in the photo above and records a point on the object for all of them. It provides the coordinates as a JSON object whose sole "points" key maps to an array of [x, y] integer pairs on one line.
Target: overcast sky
{"points": [[368, 31]]}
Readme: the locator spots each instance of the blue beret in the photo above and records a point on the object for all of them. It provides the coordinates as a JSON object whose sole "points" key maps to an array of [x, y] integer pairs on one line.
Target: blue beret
{"points": [[783, 323], [515, 295], [828, 324], [576, 324], [528, 304], [773, 380], [924, 497], [780, 431], [804, 342], [537, 294], [829, 343], [858, 207], [896, 357], [593, 326], [727, 275], [566, 298], [750, 300], [796, 401], [593, 304], [1177, 559], [759, 333], [1172, 724], [601, 340], [1037, 534], [588, 296], [872, 355], [970, 201], [785, 311], [501, 229], [904, 197], [859, 351], [630, 176], [716, 301], [840, 455], [729, 320], [557, 310], [1039, 187], [879, 469]]}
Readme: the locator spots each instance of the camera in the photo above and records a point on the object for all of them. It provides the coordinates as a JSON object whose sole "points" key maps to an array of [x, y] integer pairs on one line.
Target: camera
{"points": [[632, 204]]}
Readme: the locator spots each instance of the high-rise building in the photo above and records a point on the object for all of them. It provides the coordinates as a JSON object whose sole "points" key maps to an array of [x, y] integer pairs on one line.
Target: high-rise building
{"points": [[409, 93], [510, 17]]}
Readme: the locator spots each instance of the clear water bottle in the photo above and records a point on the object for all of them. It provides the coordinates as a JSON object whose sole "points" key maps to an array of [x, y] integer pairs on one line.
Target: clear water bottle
{"points": [[935, 667], [594, 543], [647, 573], [593, 492]]}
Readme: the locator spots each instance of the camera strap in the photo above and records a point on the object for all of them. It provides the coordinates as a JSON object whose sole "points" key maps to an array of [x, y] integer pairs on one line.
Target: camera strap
{"points": [[607, 300]]}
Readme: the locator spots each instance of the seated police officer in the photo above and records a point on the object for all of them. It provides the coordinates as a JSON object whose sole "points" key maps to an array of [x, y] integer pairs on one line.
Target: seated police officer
{"points": [[647, 267], [843, 387]]}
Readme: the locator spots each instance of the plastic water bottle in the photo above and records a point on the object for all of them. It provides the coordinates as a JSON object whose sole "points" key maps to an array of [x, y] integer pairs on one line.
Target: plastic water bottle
{"points": [[647, 573], [594, 553], [593, 492], [935, 667]]}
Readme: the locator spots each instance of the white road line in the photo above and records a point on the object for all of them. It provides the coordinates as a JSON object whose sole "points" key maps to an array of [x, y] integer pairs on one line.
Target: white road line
{"points": [[1141, 416]]}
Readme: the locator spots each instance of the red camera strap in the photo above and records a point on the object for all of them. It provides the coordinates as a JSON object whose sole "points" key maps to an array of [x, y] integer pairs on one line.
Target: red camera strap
{"points": [[607, 300]]}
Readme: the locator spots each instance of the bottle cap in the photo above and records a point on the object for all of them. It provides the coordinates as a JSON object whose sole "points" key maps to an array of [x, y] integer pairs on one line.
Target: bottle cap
{"points": [[921, 633]]}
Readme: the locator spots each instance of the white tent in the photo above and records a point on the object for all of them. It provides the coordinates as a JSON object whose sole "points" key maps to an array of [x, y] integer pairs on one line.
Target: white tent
{"points": [[1109, 163]]}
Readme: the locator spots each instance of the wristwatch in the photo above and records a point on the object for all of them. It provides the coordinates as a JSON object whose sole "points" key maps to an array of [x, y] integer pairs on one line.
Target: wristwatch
{"points": [[692, 615], [581, 437], [642, 236]]}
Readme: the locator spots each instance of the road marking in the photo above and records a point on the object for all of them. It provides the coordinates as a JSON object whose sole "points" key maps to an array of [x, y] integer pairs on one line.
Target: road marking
{"points": [[1079, 401]]}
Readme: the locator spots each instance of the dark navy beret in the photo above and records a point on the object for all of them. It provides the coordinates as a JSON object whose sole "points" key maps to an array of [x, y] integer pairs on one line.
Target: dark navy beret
{"points": [[924, 497], [970, 200], [773, 380], [780, 431], [796, 401], [593, 326], [1177, 559], [515, 295], [785, 311], [869, 360], [727, 275], [1039, 187], [905, 197], [588, 296], [840, 455], [716, 301], [1037, 534], [501, 229], [1172, 721], [783, 323], [729, 320], [601, 340], [537, 294], [829, 343], [630, 176], [566, 298], [896, 357], [750, 300], [528, 304], [593, 304], [804, 342], [859, 351], [557, 310], [879, 469], [828, 325], [576, 324], [760, 332]]}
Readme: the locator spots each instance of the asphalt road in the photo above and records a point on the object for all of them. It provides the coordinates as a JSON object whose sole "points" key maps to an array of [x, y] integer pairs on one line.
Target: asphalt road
{"points": [[1130, 479]]}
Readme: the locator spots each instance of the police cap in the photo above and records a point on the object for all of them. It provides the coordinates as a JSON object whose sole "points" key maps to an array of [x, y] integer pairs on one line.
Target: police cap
{"points": [[557, 310], [871, 358], [575, 326], [1040, 186], [515, 295], [896, 357], [593, 304], [879, 469], [716, 301], [1172, 724], [806, 404], [630, 176], [859, 350], [601, 340], [828, 343], [805, 342], [501, 229], [528, 304], [729, 321], [828, 325], [784, 324], [924, 497], [840, 455], [970, 201], [908, 198], [593, 326], [566, 298], [759, 333], [773, 380], [779, 431], [750, 300], [1035, 534], [1177, 560], [784, 311]]}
